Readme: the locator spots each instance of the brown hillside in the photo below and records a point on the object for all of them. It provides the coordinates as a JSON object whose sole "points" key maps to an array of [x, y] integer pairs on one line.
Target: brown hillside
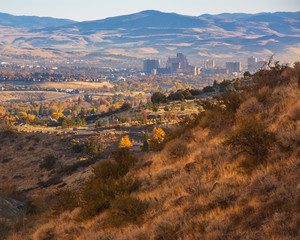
{"points": [[231, 172]]}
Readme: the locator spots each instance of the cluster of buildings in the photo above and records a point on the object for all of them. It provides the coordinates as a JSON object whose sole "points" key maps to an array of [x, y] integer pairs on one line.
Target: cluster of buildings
{"points": [[254, 65], [179, 64]]}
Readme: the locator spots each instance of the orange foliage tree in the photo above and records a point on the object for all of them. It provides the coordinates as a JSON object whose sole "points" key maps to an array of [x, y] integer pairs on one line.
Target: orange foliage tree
{"points": [[125, 142]]}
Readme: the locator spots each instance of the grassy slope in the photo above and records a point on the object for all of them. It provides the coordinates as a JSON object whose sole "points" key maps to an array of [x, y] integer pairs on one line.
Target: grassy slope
{"points": [[204, 193]]}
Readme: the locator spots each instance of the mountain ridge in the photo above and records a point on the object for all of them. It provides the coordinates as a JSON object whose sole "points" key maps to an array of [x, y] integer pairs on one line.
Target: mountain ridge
{"points": [[152, 33]]}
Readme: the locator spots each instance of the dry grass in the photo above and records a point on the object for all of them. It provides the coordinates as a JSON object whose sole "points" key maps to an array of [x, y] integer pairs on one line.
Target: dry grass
{"points": [[6, 96], [75, 85], [204, 195]]}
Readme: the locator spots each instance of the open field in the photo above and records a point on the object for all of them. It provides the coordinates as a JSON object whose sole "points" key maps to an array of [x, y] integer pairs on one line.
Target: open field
{"points": [[75, 85], [22, 96]]}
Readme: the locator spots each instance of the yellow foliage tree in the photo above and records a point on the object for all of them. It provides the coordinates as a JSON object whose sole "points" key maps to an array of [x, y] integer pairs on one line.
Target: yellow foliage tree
{"points": [[56, 115], [125, 142], [158, 134], [30, 117]]}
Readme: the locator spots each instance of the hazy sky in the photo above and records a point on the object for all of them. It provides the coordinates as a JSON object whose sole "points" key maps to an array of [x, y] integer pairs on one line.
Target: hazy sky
{"points": [[81, 10]]}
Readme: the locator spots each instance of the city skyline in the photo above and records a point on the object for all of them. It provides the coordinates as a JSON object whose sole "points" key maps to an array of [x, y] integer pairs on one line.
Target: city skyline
{"points": [[92, 10]]}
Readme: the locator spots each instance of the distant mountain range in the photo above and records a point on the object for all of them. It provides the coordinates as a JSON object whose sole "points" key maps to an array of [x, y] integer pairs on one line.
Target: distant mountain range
{"points": [[31, 21], [157, 34]]}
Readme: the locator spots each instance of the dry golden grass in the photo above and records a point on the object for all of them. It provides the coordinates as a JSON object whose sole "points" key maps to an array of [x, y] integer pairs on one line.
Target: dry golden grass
{"points": [[75, 85], [29, 96], [22, 153], [205, 194]]}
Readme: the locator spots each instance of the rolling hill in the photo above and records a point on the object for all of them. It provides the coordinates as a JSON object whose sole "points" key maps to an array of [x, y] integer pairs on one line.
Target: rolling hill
{"points": [[157, 34]]}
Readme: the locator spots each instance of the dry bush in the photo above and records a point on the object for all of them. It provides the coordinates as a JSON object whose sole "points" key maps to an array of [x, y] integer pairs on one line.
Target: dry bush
{"points": [[222, 196], [97, 235], [166, 174], [219, 230], [167, 230], [288, 138], [294, 111], [45, 232], [19, 236], [262, 184], [125, 210], [279, 226], [178, 150], [264, 95], [249, 108]]}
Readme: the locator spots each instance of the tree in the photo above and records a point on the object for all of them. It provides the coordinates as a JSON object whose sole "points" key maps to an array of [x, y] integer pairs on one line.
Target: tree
{"points": [[145, 146], [247, 74], [158, 134], [98, 124], [182, 107], [166, 109], [126, 106], [125, 142], [155, 107], [158, 97]]}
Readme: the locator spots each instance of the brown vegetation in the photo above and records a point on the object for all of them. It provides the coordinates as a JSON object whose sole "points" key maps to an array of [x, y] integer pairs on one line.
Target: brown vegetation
{"points": [[217, 176]]}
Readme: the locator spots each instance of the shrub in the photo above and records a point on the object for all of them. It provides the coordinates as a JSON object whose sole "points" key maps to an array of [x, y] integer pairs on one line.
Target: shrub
{"points": [[124, 158], [248, 108], [232, 101], [45, 232], [78, 148], [97, 195], [166, 108], [264, 94], [108, 169], [294, 111], [126, 209], [222, 196], [288, 138], [94, 145], [274, 76], [178, 150], [182, 107], [66, 199], [251, 138], [68, 122], [98, 124], [7, 128], [4, 229], [49, 162], [208, 89]]}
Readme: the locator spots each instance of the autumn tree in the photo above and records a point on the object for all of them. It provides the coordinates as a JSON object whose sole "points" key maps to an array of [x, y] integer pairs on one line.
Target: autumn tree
{"points": [[125, 142]]}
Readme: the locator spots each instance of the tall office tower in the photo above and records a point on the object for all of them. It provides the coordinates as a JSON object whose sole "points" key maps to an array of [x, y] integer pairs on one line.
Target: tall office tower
{"points": [[208, 64], [233, 66], [252, 63], [182, 60], [150, 64]]}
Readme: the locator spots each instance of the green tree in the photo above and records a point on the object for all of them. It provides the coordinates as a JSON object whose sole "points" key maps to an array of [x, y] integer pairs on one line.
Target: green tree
{"points": [[158, 97]]}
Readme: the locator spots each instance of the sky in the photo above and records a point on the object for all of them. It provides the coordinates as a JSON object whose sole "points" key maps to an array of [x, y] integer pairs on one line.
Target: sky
{"points": [[83, 10]]}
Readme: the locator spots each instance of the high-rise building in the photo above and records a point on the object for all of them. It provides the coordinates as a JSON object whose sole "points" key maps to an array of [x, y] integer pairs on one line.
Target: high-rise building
{"points": [[234, 66], [150, 64], [208, 64], [180, 62], [252, 64]]}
